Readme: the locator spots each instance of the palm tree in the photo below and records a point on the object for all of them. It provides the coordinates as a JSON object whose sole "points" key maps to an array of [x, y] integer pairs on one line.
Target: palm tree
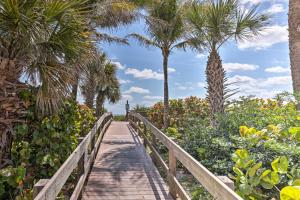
{"points": [[294, 43], [37, 38], [165, 30], [93, 72], [211, 24], [100, 82], [106, 14], [108, 88]]}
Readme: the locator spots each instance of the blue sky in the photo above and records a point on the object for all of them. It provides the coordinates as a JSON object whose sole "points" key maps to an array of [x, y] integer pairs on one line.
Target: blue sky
{"points": [[258, 67]]}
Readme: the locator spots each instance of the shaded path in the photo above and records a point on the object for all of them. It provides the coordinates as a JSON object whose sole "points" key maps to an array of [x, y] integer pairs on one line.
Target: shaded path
{"points": [[123, 170]]}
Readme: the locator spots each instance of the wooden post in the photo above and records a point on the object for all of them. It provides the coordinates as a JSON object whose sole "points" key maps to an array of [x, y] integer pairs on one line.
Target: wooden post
{"points": [[154, 141], [172, 173], [145, 135], [227, 181], [39, 186]]}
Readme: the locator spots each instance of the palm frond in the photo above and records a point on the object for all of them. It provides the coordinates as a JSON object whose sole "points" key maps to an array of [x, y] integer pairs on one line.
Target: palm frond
{"points": [[110, 39], [143, 40]]}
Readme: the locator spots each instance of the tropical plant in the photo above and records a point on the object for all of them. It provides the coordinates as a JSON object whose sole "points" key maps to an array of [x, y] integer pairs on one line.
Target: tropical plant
{"points": [[294, 44], [100, 82], [93, 71], [253, 180], [38, 41], [166, 31], [108, 88], [211, 24]]}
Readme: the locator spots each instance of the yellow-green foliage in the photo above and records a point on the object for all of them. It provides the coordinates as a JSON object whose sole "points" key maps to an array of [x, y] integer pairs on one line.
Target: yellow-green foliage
{"points": [[252, 178]]}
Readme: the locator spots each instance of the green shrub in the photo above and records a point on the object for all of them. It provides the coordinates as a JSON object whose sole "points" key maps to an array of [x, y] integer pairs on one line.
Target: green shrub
{"points": [[119, 118], [41, 147]]}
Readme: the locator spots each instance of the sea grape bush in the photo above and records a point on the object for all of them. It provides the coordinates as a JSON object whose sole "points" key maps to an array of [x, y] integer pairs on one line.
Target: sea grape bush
{"points": [[41, 146], [254, 180], [267, 129]]}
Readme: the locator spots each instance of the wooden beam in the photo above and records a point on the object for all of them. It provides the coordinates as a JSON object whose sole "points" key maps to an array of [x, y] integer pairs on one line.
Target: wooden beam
{"points": [[39, 186], [208, 180]]}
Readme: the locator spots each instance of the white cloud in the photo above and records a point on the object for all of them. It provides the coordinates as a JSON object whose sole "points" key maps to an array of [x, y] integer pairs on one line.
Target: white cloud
{"points": [[121, 81], [126, 97], [144, 74], [276, 8], [271, 35], [230, 67], [260, 87], [277, 69], [278, 80], [119, 65], [147, 73], [171, 70], [153, 97], [137, 90]]}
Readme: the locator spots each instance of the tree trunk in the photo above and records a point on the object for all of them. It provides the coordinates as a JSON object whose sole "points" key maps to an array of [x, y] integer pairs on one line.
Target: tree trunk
{"points": [[75, 87], [99, 105], [166, 91], [294, 44], [12, 108], [215, 77]]}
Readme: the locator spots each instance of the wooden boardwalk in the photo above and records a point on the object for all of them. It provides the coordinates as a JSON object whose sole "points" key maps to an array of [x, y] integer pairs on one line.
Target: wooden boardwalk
{"points": [[123, 170]]}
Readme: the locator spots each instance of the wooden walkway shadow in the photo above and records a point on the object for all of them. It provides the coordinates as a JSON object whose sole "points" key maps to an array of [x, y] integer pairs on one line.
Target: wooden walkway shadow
{"points": [[123, 170]]}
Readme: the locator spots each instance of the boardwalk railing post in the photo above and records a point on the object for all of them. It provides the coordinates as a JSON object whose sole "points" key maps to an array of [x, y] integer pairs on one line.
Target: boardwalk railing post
{"points": [[172, 173], [145, 135], [38, 187]]}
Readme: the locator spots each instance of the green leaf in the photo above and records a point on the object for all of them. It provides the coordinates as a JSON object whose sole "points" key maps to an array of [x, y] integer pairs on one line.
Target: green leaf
{"points": [[270, 177], [238, 171], [280, 165], [296, 182], [252, 170], [290, 193]]}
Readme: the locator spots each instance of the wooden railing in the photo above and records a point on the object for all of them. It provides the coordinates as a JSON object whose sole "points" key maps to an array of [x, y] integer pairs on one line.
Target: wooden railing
{"points": [[219, 187], [81, 160]]}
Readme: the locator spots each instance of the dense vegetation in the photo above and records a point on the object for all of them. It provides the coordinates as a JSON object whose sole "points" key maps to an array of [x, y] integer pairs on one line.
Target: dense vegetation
{"points": [[34, 154], [252, 140]]}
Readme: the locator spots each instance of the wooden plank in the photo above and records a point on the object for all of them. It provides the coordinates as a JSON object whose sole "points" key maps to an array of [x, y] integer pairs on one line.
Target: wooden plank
{"points": [[123, 170], [77, 191], [179, 189], [39, 186], [213, 185], [54, 185]]}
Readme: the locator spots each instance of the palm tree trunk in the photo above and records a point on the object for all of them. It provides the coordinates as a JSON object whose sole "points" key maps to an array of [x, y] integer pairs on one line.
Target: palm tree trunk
{"points": [[12, 108], [166, 91], [215, 77], [294, 44], [75, 87], [99, 105]]}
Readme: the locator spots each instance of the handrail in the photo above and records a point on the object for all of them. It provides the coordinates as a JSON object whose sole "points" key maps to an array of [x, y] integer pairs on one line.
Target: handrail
{"points": [[81, 158], [214, 185]]}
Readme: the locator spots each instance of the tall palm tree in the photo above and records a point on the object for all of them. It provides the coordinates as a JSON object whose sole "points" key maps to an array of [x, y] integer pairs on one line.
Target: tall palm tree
{"points": [[294, 43], [37, 38], [165, 30], [211, 24]]}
